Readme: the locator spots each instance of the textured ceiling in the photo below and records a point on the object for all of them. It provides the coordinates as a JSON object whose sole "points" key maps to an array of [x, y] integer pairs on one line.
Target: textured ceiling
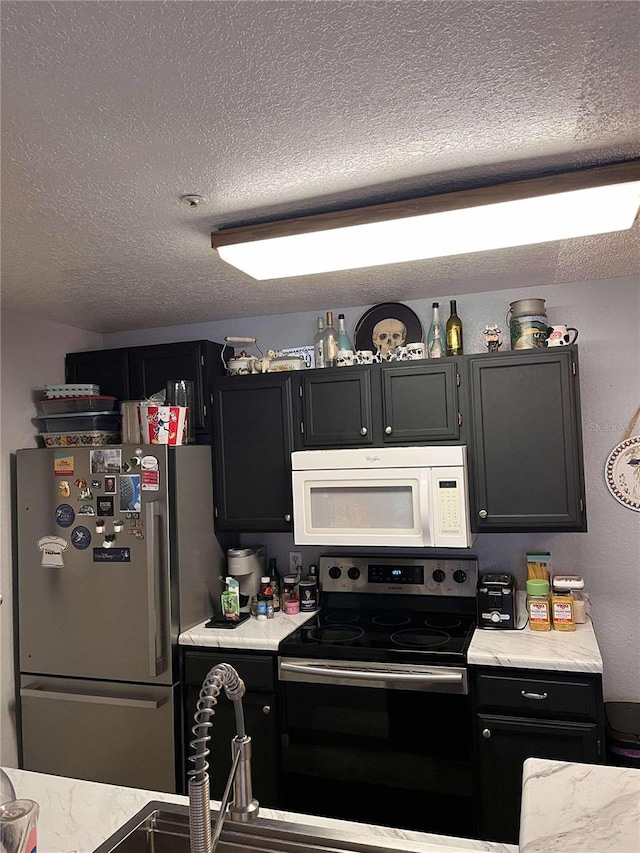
{"points": [[112, 110]]}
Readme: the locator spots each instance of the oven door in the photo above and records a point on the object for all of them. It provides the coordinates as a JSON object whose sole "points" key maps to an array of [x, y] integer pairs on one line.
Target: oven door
{"points": [[377, 743]]}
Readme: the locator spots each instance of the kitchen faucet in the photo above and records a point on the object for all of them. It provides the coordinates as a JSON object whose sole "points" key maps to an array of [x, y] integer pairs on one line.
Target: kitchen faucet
{"points": [[243, 807]]}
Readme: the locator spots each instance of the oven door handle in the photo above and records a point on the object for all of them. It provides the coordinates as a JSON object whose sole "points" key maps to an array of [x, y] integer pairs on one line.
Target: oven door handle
{"points": [[374, 675]]}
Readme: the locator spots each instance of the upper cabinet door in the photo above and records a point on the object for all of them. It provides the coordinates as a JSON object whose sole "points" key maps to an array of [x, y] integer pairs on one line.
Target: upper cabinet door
{"points": [[108, 368], [252, 452], [151, 367], [420, 403], [526, 450], [337, 408]]}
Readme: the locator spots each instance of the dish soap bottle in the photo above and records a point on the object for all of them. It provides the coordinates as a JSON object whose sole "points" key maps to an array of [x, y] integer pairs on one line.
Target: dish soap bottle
{"points": [[454, 331], [435, 336], [318, 344]]}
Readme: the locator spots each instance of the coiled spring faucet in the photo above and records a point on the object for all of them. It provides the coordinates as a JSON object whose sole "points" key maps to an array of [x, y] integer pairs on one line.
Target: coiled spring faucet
{"points": [[243, 807]]}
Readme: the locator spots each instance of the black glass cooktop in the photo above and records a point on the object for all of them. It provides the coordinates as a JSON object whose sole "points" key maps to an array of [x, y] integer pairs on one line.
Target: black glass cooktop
{"points": [[382, 635]]}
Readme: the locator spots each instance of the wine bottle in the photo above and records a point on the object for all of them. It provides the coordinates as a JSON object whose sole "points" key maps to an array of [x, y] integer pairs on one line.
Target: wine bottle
{"points": [[318, 344], [454, 331], [330, 342], [274, 583], [435, 337], [343, 337]]}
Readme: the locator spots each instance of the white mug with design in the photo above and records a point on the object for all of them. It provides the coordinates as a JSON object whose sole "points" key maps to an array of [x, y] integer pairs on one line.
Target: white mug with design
{"points": [[559, 336], [416, 351], [363, 356], [402, 353], [344, 358]]}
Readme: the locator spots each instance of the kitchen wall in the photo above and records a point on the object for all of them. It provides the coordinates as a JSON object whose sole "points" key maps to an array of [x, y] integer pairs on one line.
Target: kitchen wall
{"points": [[32, 355], [605, 312]]}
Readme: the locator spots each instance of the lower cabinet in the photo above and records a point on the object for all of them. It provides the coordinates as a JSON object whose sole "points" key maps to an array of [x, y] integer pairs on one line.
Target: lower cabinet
{"points": [[521, 714], [258, 671]]}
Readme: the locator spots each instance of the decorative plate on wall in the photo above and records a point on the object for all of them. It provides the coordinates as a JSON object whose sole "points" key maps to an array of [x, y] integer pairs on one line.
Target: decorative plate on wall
{"points": [[622, 472], [387, 325]]}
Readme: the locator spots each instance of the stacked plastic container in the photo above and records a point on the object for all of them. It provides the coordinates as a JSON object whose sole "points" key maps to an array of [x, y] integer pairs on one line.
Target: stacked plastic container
{"points": [[77, 416]]}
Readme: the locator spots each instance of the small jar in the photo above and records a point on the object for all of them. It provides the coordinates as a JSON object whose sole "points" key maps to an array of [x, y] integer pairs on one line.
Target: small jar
{"points": [[292, 606], [575, 583], [289, 591], [538, 605], [562, 609], [261, 613]]}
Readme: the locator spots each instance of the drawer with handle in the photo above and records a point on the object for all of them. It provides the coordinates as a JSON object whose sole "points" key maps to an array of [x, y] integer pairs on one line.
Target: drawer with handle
{"points": [[546, 696]]}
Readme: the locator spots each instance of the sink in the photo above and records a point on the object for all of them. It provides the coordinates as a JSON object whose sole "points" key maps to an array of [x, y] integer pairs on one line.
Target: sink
{"points": [[164, 828]]}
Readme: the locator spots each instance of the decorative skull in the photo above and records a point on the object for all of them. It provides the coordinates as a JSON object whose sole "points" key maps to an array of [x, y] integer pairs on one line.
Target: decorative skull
{"points": [[387, 335]]}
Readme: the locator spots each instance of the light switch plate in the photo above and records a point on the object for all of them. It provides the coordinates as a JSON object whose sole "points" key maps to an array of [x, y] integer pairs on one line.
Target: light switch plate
{"points": [[295, 562]]}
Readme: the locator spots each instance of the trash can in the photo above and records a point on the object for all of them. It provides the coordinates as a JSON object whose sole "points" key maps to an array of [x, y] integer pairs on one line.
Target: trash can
{"points": [[622, 721]]}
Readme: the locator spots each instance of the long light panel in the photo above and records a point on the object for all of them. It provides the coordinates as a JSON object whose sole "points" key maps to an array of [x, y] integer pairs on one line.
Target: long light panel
{"points": [[475, 223]]}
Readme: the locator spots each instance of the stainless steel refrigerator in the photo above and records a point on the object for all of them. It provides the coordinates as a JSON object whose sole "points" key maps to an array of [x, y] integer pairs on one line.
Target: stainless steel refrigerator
{"points": [[116, 556]]}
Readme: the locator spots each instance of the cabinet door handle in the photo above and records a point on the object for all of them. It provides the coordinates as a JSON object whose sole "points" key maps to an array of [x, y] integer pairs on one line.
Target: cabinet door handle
{"points": [[266, 710], [388, 430], [483, 513], [486, 733], [534, 695], [287, 517], [363, 430]]}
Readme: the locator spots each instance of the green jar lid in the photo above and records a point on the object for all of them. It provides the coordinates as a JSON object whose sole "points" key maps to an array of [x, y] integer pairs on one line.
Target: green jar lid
{"points": [[537, 586]]}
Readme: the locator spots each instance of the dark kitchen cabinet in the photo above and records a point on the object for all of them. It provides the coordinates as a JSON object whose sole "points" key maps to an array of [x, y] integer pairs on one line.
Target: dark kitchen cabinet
{"points": [[393, 403], [252, 452], [134, 373], [525, 446], [522, 714], [258, 671]]}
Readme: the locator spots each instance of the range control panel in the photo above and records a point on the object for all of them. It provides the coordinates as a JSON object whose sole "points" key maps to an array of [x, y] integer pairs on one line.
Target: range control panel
{"points": [[399, 575]]}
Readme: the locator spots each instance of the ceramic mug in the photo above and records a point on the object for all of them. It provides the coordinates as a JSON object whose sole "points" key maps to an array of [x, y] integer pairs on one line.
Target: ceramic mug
{"points": [[363, 356], [344, 358], [416, 351], [559, 336], [402, 354]]}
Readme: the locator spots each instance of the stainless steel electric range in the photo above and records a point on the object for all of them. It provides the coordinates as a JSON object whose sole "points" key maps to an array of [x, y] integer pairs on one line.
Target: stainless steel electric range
{"points": [[375, 718]]}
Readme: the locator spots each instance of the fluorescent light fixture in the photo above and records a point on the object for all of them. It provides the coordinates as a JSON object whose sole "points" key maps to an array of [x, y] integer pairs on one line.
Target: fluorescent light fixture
{"points": [[540, 210]]}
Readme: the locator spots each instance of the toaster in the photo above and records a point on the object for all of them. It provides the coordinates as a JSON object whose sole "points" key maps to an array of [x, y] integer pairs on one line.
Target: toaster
{"points": [[496, 600]]}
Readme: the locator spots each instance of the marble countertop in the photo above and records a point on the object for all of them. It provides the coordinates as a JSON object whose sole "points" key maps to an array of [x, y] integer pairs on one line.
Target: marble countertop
{"points": [[567, 651], [77, 816], [579, 807], [575, 651], [565, 807]]}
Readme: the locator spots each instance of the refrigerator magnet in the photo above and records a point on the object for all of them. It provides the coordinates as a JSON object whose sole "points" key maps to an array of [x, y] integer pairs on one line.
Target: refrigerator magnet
{"points": [[110, 485], [105, 461], [86, 509], [118, 526], [81, 537], [64, 489], [100, 526], [104, 505], [52, 548], [63, 464], [150, 474], [130, 493], [65, 515], [111, 555], [96, 484]]}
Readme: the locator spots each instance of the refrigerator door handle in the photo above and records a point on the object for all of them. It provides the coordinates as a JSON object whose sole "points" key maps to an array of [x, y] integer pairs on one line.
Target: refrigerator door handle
{"points": [[157, 663], [32, 691]]}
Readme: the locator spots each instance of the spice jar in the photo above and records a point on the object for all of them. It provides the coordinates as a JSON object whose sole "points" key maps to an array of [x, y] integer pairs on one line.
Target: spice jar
{"points": [[562, 608], [289, 590], [538, 604], [576, 584]]}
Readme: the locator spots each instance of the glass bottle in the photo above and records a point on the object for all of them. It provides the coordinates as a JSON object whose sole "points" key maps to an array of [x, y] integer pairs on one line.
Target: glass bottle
{"points": [[274, 583], [343, 337], [330, 342], [454, 331], [318, 344], [435, 336]]}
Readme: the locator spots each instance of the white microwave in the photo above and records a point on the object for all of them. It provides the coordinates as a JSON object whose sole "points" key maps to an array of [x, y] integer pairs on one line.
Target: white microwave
{"points": [[399, 497]]}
